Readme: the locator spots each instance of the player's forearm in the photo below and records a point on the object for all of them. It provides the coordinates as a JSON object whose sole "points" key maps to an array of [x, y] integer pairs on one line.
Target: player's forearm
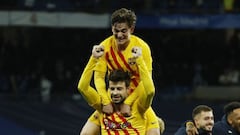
{"points": [[90, 94], [132, 97], [149, 90], [92, 98], [99, 80], [86, 76]]}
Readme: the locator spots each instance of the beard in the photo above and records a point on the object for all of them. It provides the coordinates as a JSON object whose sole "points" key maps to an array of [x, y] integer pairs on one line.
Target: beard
{"points": [[207, 127], [117, 99]]}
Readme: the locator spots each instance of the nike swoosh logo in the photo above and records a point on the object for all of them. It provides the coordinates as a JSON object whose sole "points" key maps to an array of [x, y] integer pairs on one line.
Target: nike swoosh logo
{"points": [[153, 122]]}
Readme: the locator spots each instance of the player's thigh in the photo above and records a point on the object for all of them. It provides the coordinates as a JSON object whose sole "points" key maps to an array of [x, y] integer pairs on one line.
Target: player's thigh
{"points": [[90, 128]]}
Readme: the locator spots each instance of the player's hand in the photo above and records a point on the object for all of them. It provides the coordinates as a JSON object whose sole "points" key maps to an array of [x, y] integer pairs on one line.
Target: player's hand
{"points": [[161, 125], [136, 52], [191, 128], [125, 110], [97, 51], [108, 109]]}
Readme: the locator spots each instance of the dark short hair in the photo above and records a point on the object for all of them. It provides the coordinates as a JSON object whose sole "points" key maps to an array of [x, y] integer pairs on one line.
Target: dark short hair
{"points": [[230, 107], [120, 75], [123, 15], [200, 108]]}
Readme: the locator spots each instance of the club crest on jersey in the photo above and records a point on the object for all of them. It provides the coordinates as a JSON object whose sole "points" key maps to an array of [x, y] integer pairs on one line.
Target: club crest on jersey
{"points": [[131, 61], [114, 125]]}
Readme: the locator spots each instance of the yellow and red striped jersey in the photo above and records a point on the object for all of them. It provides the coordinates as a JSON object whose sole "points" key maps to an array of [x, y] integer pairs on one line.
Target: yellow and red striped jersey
{"points": [[115, 59]]}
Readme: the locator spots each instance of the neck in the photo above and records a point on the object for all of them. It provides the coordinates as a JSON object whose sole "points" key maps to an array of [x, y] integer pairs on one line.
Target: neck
{"points": [[123, 46], [117, 107]]}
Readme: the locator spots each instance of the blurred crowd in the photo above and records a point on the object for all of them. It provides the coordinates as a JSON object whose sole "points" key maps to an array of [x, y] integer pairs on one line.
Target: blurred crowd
{"points": [[140, 6], [50, 60]]}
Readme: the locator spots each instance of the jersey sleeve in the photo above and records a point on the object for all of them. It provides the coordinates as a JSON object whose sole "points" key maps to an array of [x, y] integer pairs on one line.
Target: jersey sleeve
{"points": [[100, 74], [147, 58], [89, 93], [152, 120], [94, 118], [133, 96], [148, 91], [99, 80]]}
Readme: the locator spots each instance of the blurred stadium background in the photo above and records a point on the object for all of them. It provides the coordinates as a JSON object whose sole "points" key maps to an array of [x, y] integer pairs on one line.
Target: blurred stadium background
{"points": [[46, 43]]}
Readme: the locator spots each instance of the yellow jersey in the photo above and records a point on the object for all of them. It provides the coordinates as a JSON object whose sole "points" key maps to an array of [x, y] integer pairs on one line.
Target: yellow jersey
{"points": [[150, 120], [115, 59], [116, 123]]}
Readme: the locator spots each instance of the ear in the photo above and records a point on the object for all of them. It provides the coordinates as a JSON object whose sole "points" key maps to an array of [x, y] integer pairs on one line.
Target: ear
{"points": [[132, 29], [195, 121], [229, 119], [112, 28]]}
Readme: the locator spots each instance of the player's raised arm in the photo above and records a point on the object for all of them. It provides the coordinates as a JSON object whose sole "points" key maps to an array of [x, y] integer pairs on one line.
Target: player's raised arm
{"points": [[148, 91], [89, 93], [99, 81]]}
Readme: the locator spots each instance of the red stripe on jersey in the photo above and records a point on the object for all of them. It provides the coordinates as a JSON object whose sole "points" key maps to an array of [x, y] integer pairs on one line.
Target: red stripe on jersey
{"points": [[108, 131], [109, 62], [119, 66], [129, 68], [131, 90], [135, 82], [125, 63], [124, 130], [115, 58], [113, 119], [129, 126]]}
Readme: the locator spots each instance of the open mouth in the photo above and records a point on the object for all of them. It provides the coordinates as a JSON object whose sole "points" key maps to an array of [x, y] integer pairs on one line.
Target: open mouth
{"points": [[120, 40], [116, 98]]}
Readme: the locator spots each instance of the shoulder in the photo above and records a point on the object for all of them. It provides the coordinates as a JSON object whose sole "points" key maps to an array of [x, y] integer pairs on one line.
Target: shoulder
{"points": [[222, 123], [218, 124], [220, 127], [107, 42], [181, 131], [139, 41]]}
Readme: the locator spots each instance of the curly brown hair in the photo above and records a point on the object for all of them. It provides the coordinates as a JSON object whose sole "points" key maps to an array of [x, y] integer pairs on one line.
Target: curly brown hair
{"points": [[123, 15]]}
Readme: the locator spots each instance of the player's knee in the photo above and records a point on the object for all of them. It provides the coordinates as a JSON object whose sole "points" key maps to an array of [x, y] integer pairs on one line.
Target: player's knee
{"points": [[161, 125], [84, 133]]}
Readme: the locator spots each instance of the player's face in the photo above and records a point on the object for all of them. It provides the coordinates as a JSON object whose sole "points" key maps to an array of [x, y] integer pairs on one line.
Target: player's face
{"points": [[122, 33], [234, 118], [205, 120], [118, 91]]}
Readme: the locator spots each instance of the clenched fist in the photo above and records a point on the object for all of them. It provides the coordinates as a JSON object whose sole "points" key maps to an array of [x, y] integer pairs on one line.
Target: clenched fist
{"points": [[136, 52], [97, 51]]}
